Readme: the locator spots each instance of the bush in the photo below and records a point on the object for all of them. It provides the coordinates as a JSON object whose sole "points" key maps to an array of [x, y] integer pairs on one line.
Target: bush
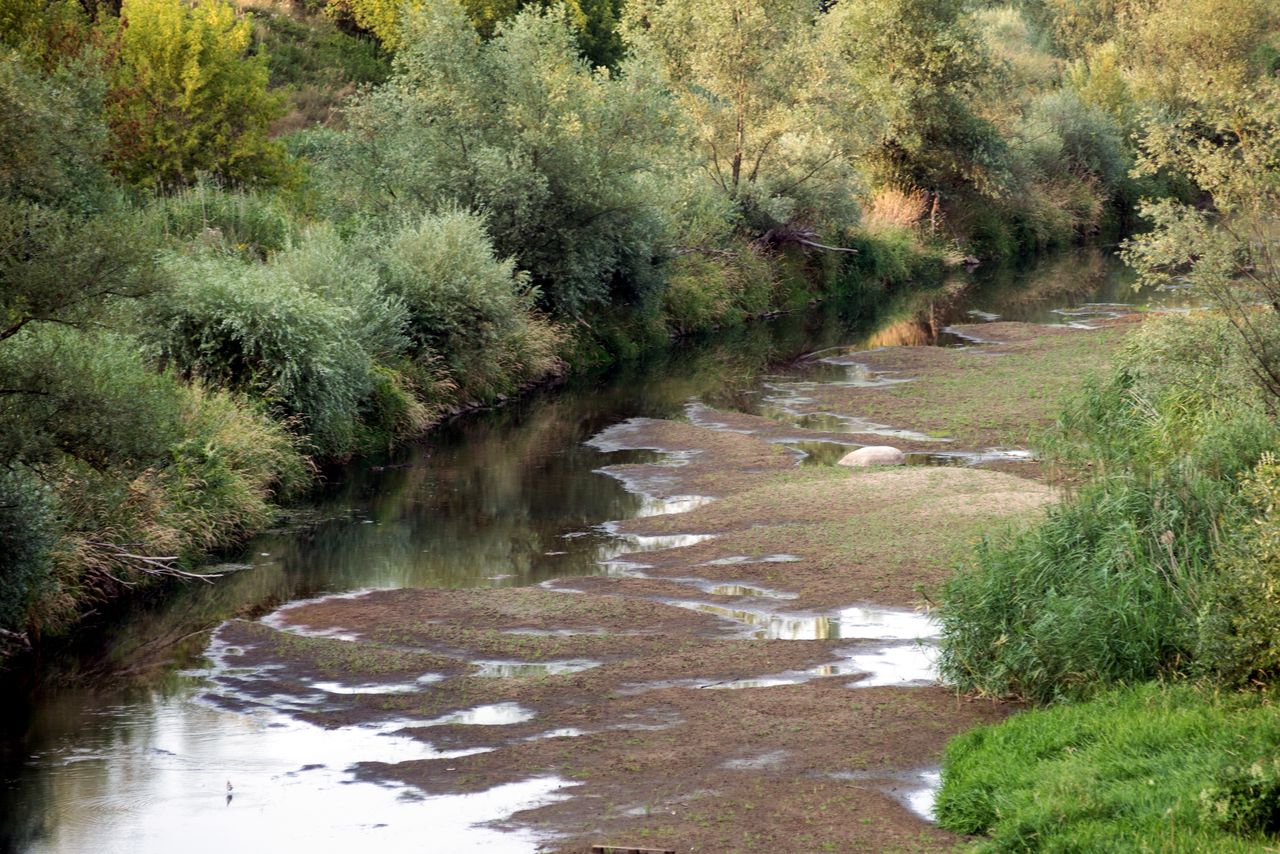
{"points": [[247, 328], [1107, 589], [91, 397], [708, 291], [473, 310], [247, 223], [26, 538], [1154, 767], [321, 262], [1240, 619]]}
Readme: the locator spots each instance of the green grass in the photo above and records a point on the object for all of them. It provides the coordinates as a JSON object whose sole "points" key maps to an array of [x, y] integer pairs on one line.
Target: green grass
{"points": [[1150, 768]]}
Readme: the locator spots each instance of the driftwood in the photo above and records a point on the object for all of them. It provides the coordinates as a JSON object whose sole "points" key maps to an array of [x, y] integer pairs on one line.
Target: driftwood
{"points": [[783, 235], [165, 566]]}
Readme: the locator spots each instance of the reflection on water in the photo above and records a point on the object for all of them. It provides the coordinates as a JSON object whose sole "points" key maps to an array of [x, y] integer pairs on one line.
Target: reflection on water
{"points": [[133, 760], [855, 622]]}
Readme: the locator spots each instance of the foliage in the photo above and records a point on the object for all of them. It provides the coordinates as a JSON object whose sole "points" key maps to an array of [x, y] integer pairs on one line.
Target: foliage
{"points": [[59, 268], [1240, 620], [921, 64], [187, 98], [26, 539], [706, 291], [1164, 766], [245, 222], [67, 394], [48, 32], [751, 78], [242, 327], [521, 129], [52, 139], [1107, 589], [594, 21], [465, 305], [1229, 252]]}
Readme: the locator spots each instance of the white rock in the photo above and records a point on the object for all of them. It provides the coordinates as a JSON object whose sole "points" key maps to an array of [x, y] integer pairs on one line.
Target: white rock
{"points": [[874, 455]]}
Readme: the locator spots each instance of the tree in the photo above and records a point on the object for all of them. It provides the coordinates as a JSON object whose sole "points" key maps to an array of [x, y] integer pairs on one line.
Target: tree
{"points": [[519, 128], [56, 268], [921, 63], [1229, 250], [595, 22], [188, 98], [752, 80], [52, 137]]}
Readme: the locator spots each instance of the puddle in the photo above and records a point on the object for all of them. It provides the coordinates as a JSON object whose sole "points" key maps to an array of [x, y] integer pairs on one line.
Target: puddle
{"points": [[921, 799], [866, 623], [826, 453], [521, 669], [744, 590], [830, 422], [901, 666], [565, 732], [379, 687], [915, 790], [734, 560], [820, 453], [494, 714], [630, 543], [278, 619], [772, 759]]}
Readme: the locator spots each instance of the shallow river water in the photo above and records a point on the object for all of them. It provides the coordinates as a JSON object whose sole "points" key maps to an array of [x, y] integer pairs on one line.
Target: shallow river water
{"points": [[117, 747]]}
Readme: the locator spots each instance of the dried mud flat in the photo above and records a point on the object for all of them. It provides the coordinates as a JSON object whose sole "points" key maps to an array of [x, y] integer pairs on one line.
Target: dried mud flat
{"points": [[747, 673]]}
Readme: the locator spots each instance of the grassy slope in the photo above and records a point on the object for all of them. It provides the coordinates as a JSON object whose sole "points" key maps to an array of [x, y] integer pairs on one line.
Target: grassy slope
{"points": [[1150, 768]]}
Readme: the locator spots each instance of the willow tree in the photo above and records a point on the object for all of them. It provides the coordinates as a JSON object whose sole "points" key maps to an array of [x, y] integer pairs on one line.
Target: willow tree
{"points": [[924, 67], [556, 154], [1227, 251], [751, 77], [594, 21]]}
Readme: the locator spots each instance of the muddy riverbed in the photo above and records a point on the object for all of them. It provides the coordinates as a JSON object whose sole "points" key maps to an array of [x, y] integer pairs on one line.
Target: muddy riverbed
{"points": [[645, 610]]}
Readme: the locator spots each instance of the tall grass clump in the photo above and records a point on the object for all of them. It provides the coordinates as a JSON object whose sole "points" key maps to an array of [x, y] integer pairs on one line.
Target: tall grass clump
{"points": [[244, 222], [1109, 588]]}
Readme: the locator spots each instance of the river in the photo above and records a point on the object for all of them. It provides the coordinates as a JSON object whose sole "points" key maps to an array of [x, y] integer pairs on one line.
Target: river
{"points": [[116, 747]]}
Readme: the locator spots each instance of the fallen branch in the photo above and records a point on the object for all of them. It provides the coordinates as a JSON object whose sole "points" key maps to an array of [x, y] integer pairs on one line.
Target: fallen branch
{"points": [[801, 236], [160, 566]]}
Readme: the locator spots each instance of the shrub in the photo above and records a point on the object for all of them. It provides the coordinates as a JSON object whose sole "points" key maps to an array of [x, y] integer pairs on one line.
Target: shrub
{"points": [[91, 397], [467, 306], [707, 291], [1240, 619], [26, 538], [247, 328], [1107, 589], [892, 208], [321, 262]]}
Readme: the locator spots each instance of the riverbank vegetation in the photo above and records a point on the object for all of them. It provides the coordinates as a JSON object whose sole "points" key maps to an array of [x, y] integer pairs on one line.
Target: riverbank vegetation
{"points": [[1143, 609], [243, 241]]}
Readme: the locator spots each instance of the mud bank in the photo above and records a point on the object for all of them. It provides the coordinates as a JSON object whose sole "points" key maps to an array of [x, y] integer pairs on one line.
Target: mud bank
{"points": [[751, 669]]}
